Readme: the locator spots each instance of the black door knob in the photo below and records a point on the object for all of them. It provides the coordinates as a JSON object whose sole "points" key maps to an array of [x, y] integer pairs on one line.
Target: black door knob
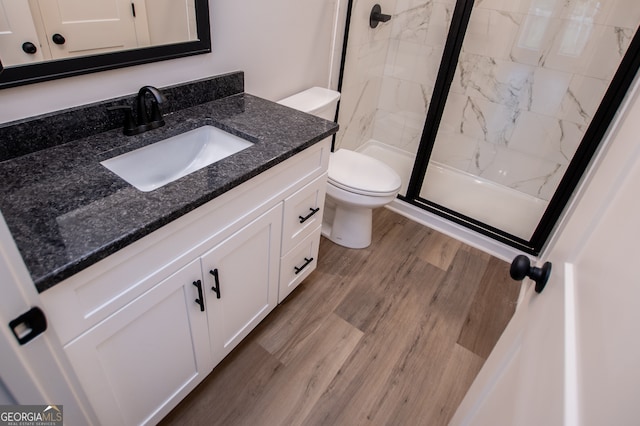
{"points": [[58, 39], [521, 268], [29, 48]]}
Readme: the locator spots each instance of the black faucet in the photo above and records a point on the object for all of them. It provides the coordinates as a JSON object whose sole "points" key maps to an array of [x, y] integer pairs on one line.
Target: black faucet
{"points": [[148, 113]]}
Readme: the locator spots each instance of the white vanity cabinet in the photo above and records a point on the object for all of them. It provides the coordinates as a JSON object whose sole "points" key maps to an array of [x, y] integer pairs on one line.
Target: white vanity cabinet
{"points": [[140, 335]]}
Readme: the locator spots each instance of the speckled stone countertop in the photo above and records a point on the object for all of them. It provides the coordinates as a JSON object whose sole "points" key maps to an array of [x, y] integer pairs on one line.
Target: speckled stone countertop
{"points": [[66, 211]]}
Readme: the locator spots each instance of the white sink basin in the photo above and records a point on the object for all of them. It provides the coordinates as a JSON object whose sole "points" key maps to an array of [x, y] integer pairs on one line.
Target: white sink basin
{"points": [[155, 165]]}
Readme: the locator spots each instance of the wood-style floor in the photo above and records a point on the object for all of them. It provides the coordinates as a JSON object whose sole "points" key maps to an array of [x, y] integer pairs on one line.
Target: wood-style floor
{"points": [[392, 334]]}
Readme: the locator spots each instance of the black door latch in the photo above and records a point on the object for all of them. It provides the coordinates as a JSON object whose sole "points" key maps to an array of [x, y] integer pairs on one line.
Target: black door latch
{"points": [[28, 325]]}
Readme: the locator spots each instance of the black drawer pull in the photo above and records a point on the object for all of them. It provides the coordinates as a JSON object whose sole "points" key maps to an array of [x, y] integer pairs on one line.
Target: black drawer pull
{"points": [[216, 278], [313, 211], [306, 263], [199, 300]]}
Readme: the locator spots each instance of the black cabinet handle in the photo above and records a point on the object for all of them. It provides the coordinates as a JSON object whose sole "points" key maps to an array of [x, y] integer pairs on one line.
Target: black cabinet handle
{"points": [[313, 211], [199, 300], [58, 39], [306, 263], [30, 48], [216, 278]]}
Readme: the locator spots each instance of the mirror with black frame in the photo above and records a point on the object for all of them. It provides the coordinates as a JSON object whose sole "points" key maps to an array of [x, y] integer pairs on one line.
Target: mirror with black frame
{"points": [[43, 40]]}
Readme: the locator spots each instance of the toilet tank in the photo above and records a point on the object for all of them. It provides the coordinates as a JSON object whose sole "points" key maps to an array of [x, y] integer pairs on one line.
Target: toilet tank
{"points": [[318, 101]]}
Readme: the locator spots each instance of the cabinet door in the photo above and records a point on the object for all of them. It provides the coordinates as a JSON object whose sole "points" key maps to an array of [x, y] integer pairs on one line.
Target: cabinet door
{"points": [[16, 28], [137, 364], [242, 281]]}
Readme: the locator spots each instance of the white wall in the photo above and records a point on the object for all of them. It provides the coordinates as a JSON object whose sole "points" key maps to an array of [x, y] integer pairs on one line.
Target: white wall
{"points": [[283, 46]]}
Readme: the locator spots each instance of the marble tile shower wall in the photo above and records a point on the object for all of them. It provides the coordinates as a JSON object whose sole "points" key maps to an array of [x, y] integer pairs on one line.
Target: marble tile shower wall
{"points": [[364, 71], [390, 72], [530, 77]]}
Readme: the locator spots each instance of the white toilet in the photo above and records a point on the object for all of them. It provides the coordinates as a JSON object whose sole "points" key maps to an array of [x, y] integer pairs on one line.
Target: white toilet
{"points": [[357, 183]]}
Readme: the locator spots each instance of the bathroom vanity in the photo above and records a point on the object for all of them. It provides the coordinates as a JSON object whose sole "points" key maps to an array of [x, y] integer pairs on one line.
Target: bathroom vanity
{"points": [[148, 291]]}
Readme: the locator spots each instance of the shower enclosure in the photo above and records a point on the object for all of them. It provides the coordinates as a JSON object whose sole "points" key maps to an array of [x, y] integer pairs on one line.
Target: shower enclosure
{"points": [[489, 110]]}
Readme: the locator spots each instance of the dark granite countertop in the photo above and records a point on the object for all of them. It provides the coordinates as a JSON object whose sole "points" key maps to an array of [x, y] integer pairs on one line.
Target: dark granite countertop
{"points": [[66, 211]]}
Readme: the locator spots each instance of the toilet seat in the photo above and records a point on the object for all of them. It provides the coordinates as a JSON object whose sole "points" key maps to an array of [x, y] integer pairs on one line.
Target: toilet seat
{"points": [[361, 174]]}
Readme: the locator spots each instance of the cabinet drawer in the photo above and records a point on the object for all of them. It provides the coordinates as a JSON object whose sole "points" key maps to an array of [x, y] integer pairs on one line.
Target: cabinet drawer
{"points": [[296, 265], [303, 213]]}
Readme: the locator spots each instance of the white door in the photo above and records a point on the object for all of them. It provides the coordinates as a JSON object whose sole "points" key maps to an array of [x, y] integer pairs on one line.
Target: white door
{"points": [[81, 27], [36, 372], [16, 29], [570, 354]]}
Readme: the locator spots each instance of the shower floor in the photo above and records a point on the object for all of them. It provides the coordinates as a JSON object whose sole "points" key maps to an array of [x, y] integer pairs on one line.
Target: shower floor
{"points": [[498, 206]]}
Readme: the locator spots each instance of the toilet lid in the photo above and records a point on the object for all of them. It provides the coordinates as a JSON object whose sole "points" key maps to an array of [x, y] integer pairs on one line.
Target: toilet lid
{"points": [[361, 174]]}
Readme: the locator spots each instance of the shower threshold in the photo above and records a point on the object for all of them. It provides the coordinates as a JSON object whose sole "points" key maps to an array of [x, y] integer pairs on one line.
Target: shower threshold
{"points": [[493, 204]]}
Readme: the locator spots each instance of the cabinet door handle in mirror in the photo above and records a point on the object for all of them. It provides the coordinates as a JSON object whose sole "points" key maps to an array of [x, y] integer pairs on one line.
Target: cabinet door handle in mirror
{"points": [[29, 48], [307, 261], [58, 39], [199, 300], [313, 211], [216, 278]]}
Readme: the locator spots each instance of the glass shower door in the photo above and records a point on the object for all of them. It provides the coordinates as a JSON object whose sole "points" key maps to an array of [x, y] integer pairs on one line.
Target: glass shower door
{"points": [[528, 85]]}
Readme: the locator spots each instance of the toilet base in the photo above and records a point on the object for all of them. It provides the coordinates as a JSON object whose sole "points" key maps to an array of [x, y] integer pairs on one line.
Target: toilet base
{"points": [[348, 226]]}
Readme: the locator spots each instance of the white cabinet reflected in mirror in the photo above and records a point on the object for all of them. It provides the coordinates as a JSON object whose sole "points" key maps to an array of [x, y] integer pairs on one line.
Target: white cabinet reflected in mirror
{"points": [[45, 39]]}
